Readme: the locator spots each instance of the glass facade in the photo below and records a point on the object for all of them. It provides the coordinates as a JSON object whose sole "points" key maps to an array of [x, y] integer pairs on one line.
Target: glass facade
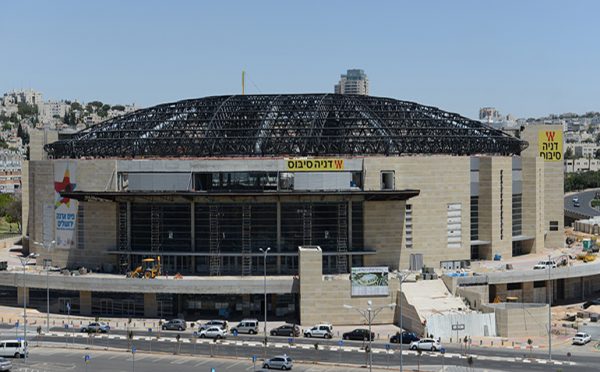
{"points": [[235, 181], [234, 228], [517, 214]]}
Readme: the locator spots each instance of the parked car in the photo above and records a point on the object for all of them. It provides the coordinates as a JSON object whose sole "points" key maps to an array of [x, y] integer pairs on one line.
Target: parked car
{"points": [[249, 326], [542, 265], [591, 302], [13, 348], [576, 199], [426, 344], [581, 338], [404, 337], [282, 362], [320, 330], [286, 330], [213, 332], [358, 334], [5, 364], [96, 327], [213, 323], [576, 204], [174, 325]]}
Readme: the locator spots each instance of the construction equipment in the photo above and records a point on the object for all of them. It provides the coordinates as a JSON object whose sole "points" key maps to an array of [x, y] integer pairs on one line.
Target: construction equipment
{"points": [[149, 269], [586, 257]]}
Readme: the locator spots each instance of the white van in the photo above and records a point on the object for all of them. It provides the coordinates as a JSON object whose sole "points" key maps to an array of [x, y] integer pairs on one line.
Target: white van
{"points": [[13, 348], [249, 326]]}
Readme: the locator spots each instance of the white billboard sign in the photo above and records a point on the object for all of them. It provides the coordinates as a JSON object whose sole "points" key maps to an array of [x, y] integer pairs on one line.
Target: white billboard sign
{"points": [[65, 209], [370, 281]]}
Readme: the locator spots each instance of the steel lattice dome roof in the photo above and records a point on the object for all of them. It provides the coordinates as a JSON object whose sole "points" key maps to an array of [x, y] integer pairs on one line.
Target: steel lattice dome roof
{"points": [[286, 125]]}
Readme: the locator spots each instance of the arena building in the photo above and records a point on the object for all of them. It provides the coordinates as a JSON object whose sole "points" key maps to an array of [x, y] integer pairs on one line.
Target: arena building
{"points": [[357, 181]]}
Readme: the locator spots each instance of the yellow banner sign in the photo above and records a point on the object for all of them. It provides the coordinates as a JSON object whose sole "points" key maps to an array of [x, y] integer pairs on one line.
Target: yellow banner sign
{"points": [[314, 165], [550, 145]]}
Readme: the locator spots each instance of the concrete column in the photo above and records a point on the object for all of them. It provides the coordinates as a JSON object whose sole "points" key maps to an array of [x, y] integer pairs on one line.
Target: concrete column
{"points": [[246, 300], [22, 293], [129, 227], [193, 233], [350, 225], [150, 305], [278, 236], [85, 303], [527, 292]]}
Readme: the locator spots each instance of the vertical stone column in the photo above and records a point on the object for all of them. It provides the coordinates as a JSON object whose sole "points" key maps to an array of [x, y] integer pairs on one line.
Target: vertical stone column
{"points": [[22, 293], [85, 303], [150, 305], [310, 269]]}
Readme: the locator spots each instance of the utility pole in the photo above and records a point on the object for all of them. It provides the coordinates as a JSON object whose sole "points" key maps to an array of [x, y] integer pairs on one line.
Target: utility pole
{"points": [[265, 251], [549, 311], [24, 262], [369, 314]]}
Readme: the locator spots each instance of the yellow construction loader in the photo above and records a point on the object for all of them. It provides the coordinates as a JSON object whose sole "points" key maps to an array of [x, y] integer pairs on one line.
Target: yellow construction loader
{"points": [[149, 269]]}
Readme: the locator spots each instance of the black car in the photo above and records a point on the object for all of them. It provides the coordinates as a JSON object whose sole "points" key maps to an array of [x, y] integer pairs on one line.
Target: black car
{"points": [[286, 330], [358, 334], [406, 337]]}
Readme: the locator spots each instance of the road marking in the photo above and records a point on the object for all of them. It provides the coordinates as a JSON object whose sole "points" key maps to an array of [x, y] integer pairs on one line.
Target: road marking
{"points": [[180, 361], [233, 365], [201, 363]]}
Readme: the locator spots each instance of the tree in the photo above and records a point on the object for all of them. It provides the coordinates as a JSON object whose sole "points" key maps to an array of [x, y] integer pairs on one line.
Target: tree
{"points": [[597, 154], [118, 108], [12, 210], [6, 126], [569, 153], [76, 106]]}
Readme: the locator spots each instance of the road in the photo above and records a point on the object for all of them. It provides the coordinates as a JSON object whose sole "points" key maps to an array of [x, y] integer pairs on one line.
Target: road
{"points": [[349, 353], [585, 202], [57, 359]]}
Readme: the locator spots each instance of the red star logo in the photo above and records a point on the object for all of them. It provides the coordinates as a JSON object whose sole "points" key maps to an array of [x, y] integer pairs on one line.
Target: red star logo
{"points": [[64, 186]]}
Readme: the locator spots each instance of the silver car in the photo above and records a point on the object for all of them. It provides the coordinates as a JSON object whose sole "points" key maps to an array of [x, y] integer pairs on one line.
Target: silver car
{"points": [[282, 362], [5, 364]]}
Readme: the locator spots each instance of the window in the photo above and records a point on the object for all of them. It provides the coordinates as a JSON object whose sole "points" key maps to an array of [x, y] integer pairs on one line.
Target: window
{"points": [[539, 284], [409, 226], [454, 225], [517, 214], [474, 218], [387, 180], [514, 286], [501, 204], [553, 225]]}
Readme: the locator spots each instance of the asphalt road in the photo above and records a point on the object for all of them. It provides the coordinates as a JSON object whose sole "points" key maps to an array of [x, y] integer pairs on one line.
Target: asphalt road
{"points": [[57, 358], [585, 203], [354, 356]]}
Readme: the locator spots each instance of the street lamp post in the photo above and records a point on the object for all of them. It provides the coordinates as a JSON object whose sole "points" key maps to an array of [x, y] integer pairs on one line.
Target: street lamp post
{"points": [[369, 314], [265, 251], [401, 278], [47, 264], [24, 262], [549, 311]]}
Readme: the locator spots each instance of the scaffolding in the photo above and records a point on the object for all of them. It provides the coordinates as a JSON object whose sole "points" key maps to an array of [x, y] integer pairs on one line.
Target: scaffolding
{"points": [[123, 235], [307, 225], [214, 240], [155, 216], [246, 239], [342, 239]]}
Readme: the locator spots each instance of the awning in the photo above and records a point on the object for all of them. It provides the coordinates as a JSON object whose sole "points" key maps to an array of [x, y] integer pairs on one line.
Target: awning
{"points": [[191, 195]]}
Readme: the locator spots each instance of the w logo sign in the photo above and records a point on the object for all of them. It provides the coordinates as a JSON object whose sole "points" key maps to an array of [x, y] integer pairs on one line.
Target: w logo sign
{"points": [[550, 145]]}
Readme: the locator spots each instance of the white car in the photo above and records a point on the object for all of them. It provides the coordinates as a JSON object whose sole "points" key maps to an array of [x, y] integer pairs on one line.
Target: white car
{"points": [[581, 338], [320, 330], [426, 344], [543, 265], [5, 364], [213, 332]]}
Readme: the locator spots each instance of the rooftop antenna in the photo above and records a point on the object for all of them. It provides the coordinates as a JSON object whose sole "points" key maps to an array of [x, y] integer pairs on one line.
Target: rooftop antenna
{"points": [[243, 80]]}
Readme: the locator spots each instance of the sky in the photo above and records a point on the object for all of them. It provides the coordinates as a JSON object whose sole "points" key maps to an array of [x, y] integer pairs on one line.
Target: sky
{"points": [[529, 58]]}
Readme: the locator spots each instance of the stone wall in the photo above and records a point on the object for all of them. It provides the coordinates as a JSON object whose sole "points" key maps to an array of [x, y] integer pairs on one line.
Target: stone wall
{"points": [[322, 298]]}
